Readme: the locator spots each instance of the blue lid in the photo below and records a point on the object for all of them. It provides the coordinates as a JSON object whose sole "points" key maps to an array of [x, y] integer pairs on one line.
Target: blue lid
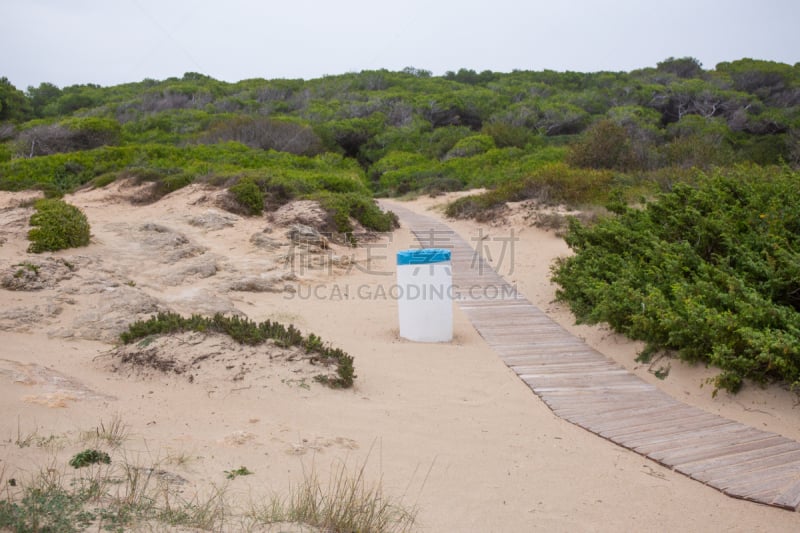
{"points": [[423, 256]]}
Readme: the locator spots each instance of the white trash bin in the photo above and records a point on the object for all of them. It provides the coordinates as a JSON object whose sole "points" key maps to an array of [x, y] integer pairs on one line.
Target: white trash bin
{"points": [[425, 295]]}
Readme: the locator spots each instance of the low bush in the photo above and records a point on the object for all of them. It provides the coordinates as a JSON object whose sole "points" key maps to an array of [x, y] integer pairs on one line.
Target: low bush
{"points": [[247, 193], [69, 135], [710, 271], [551, 184], [266, 133], [399, 173], [343, 207], [57, 225], [89, 457], [470, 146], [245, 331]]}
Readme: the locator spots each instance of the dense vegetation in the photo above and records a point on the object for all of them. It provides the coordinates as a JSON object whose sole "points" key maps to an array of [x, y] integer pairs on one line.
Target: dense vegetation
{"points": [[397, 132], [559, 137], [709, 270]]}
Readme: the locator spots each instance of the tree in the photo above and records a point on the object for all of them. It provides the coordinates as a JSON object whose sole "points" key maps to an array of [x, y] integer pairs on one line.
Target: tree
{"points": [[505, 134], [13, 104], [417, 72], [698, 142], [349, 135], [685, 67], [470, 77], [267, 134], [765, 79], [560, 118], [69, 135], [43, 99], [604, 145]]}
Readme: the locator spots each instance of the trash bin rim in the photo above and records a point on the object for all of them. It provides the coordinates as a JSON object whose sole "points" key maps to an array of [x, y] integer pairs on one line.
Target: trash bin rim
{"points": [[423, 256]]}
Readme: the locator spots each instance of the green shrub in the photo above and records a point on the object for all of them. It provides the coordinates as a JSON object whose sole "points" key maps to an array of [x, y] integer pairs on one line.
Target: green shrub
{"points": [[249, 196], [70, 135], [47, 509], [605, 144], [472, 145], [104, 179], [5, 152], [57, 225], [343, 207], [506, 135], [89, 457], [552, 184], [710, 271]]}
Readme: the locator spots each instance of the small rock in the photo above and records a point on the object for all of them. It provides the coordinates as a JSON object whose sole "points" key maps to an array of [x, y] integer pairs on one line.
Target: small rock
{"points": [[271, 283], [305, 212], [214, 220], [302, 234], [35, 274], [203, 266], [263, 241]]}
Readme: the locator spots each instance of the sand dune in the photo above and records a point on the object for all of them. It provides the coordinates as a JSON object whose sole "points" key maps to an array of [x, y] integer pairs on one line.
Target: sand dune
{"points": [[447, 427]]}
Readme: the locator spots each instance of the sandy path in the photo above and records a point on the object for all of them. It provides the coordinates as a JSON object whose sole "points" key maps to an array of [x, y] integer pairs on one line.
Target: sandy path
{"points": [[447, 426]]}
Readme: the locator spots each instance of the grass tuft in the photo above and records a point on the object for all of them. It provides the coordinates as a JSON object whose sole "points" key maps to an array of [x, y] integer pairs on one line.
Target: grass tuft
{"points": [[114, 433], [347, 502]]}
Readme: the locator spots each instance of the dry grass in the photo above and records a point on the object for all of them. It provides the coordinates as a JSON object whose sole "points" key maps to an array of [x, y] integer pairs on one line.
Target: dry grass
{"points": [[114, 433], [348, 501], [32, 438]]}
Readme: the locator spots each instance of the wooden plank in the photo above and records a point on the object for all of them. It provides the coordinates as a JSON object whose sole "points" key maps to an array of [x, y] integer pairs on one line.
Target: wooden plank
{"points": [[549, 364], [613, 408], [659, 427], [600, 376], [602, 411], [789, 498], [555, 370], [576, 406], [544, 383], [634, 420], [541, 354], [699, 468], [716, 450], [760, 487], [595, 388], [747, 478], [729, 434], [765, 460]]}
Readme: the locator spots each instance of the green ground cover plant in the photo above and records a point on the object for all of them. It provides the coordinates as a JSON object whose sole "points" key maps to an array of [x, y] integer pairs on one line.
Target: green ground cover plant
{"points": [[57, 225], [551, 184], [89, 457], [246, 331], [709, 271]]}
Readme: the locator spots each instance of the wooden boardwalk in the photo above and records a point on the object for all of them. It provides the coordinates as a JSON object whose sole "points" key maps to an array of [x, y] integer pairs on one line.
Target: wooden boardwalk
{"points": [[584, 387]]}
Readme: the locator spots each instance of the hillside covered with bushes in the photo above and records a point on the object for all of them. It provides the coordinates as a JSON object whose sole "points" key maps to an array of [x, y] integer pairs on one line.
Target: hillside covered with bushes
{"points": [[699, 152], [395, 132]]}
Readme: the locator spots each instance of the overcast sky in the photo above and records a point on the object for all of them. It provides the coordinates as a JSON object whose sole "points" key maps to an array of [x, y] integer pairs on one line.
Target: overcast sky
{"points": [[116, 41]]}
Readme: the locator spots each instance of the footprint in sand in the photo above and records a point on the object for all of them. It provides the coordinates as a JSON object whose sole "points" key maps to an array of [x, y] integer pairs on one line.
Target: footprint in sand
{"points": [[238, 438], [319, 444]]}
